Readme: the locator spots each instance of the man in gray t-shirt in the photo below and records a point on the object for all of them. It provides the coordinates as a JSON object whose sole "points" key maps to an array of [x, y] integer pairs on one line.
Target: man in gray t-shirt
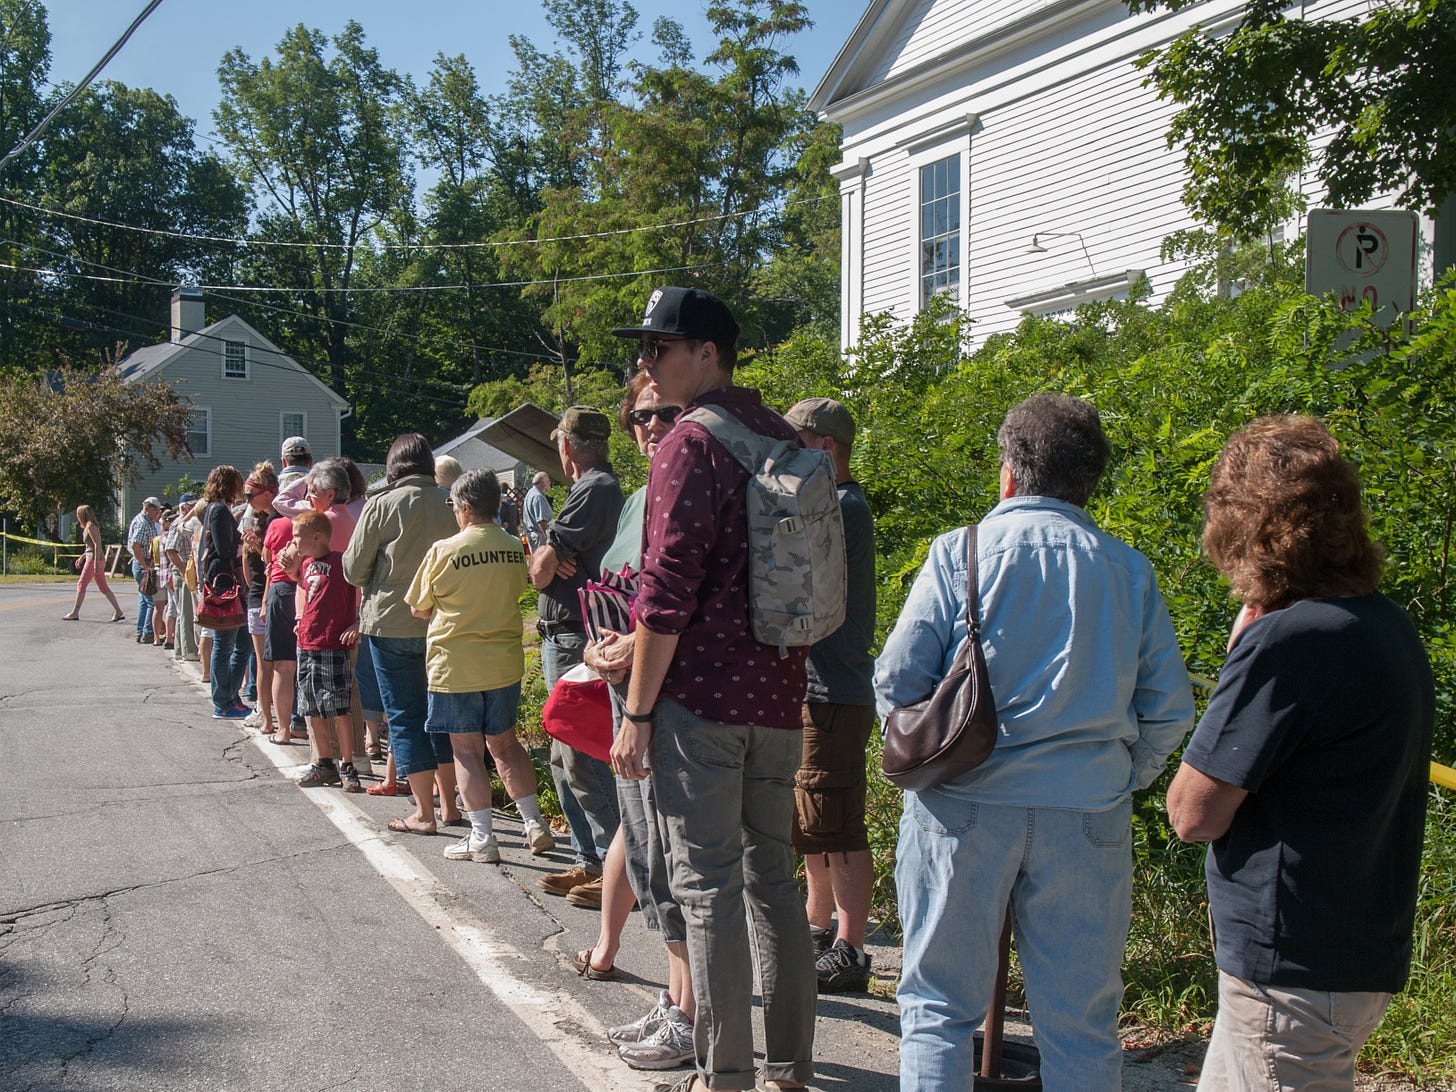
{"points": [[839, 714]]}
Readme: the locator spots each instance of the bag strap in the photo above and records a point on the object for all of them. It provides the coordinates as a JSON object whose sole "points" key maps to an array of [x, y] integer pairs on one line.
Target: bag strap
{"points": [[973, 587], [735, 437]]}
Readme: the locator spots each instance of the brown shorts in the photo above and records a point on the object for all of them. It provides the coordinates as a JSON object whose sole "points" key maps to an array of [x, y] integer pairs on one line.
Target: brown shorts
{"points": [[829, 791]]}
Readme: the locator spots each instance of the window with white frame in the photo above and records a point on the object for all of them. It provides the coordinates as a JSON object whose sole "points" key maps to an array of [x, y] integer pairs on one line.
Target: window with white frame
{"points": [[292, 424], [235, 360], [199, 431], [940, 228]]}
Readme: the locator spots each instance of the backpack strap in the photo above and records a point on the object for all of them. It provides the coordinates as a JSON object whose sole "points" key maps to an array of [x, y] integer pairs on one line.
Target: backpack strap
{"points": [[740, 441]]}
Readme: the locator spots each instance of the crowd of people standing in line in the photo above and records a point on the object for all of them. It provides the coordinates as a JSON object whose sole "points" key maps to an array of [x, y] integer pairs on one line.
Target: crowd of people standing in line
{"points": [[729, 757]]}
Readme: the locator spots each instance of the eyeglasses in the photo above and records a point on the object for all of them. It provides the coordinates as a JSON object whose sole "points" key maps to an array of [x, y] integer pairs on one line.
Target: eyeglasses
{"points": [[643, 417], [652, 348], [450, 503]]}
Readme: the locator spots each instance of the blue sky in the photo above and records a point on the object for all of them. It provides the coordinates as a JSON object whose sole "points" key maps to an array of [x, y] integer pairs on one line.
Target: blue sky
{"points": [[177, 49]]}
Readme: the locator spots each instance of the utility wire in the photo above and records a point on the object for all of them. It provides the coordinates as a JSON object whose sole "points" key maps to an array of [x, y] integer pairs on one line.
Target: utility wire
{"points": [[45, 122], [489, 243]]}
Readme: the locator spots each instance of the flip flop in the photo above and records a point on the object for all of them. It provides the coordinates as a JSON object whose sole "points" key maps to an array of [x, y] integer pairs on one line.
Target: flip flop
{"points": [[583, 965], [458, 821], [401, 826], [280, 742]]}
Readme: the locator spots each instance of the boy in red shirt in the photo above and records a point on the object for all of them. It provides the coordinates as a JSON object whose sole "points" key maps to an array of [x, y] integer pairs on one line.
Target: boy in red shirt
{"points": [[328, 624]]}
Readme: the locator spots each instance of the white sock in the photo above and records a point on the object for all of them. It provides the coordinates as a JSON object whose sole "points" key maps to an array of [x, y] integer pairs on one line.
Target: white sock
{"points": [[528, 808], [480, 825]]}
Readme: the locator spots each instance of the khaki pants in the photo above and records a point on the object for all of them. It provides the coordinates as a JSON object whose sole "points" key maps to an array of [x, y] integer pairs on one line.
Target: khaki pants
{"points": [[185, 608], [1269, 1038]]}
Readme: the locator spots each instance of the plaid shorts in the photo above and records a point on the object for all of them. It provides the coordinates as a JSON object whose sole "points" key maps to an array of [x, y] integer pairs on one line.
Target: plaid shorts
{"points": [[325, 682]]}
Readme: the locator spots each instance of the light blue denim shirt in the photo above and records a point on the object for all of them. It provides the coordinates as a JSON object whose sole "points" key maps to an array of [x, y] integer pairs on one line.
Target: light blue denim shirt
{"points": [[1091, 691]]}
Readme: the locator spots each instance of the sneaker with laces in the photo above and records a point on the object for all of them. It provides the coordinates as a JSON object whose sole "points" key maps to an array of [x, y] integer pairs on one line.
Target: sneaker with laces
{"points": [[472, 849], [539, 840], [822, 939], [644, 1025], [350, 778], [318, 776], [229, 714], [587, 895], [561, 883], [842, 968], [670, 1046], [253, 719]]}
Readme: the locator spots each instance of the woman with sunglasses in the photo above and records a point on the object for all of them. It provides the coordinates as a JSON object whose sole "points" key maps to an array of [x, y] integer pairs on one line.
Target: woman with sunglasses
{"points": [[663, 1038]]}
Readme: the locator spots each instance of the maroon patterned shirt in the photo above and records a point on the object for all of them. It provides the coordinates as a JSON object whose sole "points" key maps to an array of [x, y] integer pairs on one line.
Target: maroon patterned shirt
{"points": [[694, 580]]}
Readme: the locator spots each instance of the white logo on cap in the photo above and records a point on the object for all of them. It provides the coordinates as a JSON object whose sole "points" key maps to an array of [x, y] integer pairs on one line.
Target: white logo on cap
{"points": [[651, 303]]}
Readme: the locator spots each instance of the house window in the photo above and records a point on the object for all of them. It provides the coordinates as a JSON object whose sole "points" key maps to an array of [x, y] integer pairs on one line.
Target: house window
{"points": [[292, 424], [940, 228], [199, 432], [235, 360]]}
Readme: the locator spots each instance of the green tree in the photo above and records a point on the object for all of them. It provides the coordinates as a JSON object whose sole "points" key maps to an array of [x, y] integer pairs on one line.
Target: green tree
{"points": [[121, 155], [1253, 101], [320, 136], [74, 437]]}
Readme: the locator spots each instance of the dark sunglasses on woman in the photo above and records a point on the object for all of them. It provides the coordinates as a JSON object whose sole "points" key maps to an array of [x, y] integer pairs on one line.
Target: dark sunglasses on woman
{"points": [[643, 417]]}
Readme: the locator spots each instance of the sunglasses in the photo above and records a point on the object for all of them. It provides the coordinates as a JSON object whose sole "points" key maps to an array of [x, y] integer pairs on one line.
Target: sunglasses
{"points": [[652, 348], [643, 417]]}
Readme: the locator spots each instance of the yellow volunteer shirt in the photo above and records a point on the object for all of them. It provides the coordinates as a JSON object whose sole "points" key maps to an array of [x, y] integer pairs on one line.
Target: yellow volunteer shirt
{"points": [[472, 581]]}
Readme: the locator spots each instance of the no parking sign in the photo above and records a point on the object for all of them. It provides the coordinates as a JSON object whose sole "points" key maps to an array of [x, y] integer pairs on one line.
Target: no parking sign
{"points": [[1363, 255]]}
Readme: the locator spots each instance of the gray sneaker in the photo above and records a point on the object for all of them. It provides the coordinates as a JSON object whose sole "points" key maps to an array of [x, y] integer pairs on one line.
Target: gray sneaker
{"points": [[350, 777], [643, 1026], [470, 849], [318, 776], [670, 1046]]}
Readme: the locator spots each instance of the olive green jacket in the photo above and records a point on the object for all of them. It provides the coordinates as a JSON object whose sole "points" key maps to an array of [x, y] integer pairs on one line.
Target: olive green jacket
{"points": [[395, 529]]}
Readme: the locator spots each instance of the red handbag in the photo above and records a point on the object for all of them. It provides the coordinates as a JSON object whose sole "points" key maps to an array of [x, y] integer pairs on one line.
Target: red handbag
{"points": [[579, 713], [220, 609]]}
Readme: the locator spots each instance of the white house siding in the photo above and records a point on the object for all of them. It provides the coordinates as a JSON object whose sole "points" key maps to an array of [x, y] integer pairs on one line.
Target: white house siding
{"points": [[245, 412], [1065, 139]]}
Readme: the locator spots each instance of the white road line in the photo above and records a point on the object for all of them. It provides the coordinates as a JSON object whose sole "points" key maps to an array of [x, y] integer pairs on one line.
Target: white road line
{"points": [[562, 1024]]}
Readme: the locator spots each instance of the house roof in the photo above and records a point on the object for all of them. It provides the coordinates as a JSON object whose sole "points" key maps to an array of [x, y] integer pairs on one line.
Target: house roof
{"points": [[870, 31], [473, 452], [144, 362]]}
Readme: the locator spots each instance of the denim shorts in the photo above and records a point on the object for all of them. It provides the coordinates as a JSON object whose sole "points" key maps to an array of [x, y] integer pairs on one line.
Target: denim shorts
{"points": [[280, 642], [490, 711]]}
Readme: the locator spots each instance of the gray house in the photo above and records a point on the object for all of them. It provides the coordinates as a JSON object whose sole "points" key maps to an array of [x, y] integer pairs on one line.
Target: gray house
{"points": [[248, 396]]}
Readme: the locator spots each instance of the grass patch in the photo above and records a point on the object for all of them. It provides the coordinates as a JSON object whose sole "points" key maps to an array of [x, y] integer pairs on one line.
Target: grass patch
{"points": [[22, 578]]}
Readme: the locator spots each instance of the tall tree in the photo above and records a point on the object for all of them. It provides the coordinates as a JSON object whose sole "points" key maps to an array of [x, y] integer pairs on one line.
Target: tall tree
{"points": [[120, 155], [320, 136], [25, 61], [1253, 102]]}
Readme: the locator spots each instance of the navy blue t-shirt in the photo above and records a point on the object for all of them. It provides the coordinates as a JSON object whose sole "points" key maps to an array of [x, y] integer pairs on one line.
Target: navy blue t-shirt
{"points": [[1324, 713]]}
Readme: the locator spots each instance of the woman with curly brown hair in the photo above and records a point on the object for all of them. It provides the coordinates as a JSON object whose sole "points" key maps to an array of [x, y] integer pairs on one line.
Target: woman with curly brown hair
{"points": [[219, 569], [1308, 771]]}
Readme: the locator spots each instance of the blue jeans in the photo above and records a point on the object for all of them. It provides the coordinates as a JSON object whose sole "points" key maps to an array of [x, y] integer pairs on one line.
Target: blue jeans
{"points": [[1068, 876], [230, 649], [399, 665], [367, 681], [585, 787], [145, 605]]}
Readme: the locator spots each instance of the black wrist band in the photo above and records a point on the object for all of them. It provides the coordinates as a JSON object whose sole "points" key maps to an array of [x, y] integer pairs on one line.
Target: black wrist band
{"points": [[638, 718]]}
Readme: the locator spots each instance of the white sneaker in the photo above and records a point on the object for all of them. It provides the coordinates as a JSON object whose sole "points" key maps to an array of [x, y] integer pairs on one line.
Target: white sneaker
{"points": [[644, 1025], [253, 719], [538, 838], [670, 1046], [468, 849]]}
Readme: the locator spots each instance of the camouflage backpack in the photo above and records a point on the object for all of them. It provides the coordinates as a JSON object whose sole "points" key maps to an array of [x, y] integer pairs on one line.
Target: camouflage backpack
{"points": [[796, 573]]}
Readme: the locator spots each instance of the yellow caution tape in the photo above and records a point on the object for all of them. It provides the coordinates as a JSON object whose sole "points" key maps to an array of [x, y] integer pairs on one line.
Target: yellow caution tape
{"points": [[13, 537], [1444, 776]]}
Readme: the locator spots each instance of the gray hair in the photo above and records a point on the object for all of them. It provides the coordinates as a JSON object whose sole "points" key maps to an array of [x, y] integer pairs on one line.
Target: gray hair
{"points": [[541, 478], [595, 450], [480, 490], [1055, 447], [332, 474]]}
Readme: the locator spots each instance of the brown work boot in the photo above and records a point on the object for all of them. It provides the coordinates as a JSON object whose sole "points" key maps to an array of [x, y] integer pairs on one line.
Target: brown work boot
{"points": [[561, 883], [587, 895]]}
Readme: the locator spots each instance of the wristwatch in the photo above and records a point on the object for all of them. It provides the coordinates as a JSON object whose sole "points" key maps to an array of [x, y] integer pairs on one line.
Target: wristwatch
{"points": [[638, 718]]}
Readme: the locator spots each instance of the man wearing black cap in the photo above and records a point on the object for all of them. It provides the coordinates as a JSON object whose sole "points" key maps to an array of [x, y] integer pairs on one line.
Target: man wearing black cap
{"points": [[570, 555], [715, 716]]}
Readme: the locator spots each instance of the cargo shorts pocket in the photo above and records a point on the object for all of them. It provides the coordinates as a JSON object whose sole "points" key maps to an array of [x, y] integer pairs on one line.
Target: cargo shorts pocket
{"points": [[820, 797]]}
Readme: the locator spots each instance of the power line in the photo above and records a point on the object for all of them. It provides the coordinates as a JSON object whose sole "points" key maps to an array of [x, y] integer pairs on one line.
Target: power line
{"points": [[484, 244], [45, 122]]}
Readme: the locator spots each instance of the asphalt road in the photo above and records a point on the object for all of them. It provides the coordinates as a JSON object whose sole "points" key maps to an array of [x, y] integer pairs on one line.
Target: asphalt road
{"points": [[175, 915]]}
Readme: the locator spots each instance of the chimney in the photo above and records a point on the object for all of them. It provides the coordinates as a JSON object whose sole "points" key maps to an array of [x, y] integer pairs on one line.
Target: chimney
{"points": [[187, 312]]}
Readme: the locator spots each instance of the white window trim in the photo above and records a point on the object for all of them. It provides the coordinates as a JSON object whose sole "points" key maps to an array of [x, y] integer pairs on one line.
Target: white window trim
{"points": [[923, 154], [284, 432], [247, 364], [207, 410]]}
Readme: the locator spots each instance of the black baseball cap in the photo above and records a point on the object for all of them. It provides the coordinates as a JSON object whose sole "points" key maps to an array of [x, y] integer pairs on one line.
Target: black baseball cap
{"points": [[685, 312]]}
